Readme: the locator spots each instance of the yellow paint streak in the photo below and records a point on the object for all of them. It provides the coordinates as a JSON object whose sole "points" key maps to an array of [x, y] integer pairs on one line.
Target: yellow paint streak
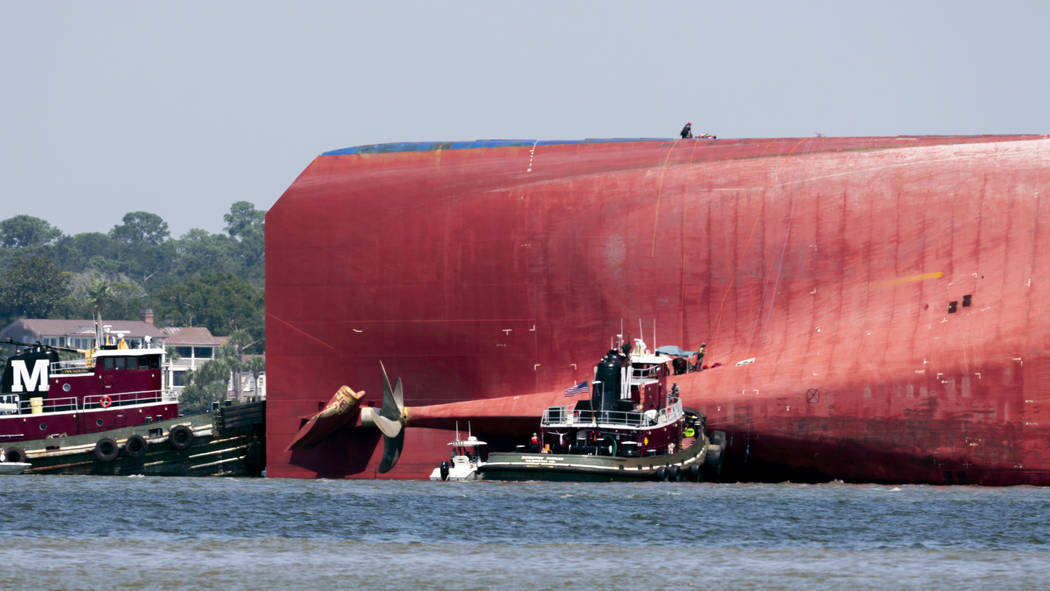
{"points": [[912, 278]]}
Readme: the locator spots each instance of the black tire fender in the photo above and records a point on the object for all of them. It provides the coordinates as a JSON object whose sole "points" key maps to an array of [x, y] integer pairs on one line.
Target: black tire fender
{"points": [[672, 473], [106, 450], [136, 446], [180, 437], [715, 453], [15, 454], [694, 472]]}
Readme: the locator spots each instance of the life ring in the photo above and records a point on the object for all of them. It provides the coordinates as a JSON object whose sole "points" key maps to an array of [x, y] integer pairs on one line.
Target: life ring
{"points": [[180, 437], [105, 401], [136, 446], [106, 450]]}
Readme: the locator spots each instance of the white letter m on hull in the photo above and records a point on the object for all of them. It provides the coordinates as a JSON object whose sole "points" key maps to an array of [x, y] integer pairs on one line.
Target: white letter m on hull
{"points": [[36, 381]]}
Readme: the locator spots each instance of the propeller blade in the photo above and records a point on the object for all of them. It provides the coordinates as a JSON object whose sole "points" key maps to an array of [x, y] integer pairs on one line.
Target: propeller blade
{"points": [[391, 452], [399, 397], [393, 398], [389, 427]]}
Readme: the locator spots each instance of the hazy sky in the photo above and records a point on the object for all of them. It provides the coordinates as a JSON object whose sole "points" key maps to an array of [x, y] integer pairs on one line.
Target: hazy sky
{"points": [[182, 108]]}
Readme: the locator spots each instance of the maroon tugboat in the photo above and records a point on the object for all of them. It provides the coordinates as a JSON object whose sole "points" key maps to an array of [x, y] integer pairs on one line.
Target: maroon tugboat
{"points": [[105, 410], [632, 427]]}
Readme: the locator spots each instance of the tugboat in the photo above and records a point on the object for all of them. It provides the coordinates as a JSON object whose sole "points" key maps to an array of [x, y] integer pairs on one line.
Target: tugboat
{"points": [[109, 386], [106, 412], [633, 427]]}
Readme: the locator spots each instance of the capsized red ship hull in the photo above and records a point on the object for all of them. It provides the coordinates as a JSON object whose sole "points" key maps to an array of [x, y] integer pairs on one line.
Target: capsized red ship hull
{"points": [[879, 306]]}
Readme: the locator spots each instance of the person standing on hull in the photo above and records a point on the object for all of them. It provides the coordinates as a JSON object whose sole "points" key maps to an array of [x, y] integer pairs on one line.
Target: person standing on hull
{"points": [[687, 131], [700, 356]]}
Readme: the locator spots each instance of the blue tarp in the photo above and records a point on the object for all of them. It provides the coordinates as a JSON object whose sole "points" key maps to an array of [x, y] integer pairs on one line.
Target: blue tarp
{"points": [[674, 351]]}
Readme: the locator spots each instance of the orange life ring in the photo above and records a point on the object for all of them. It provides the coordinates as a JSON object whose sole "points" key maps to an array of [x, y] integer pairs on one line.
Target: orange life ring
{"points": [[105, 401]]}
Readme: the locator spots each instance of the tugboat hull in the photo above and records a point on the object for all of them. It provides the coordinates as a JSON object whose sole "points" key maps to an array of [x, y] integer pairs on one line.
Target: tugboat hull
{"points": [[228, 443], [688, 463]]}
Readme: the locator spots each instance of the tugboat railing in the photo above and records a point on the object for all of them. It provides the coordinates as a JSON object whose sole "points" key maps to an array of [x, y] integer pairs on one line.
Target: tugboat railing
{"points": [[562, 416], [67, 366], [10, 406]]}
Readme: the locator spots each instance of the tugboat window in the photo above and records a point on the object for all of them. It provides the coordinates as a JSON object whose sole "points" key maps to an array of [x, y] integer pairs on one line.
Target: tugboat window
{"points": [[120, 362], [98, 422], [107, 363], [43, 426]]}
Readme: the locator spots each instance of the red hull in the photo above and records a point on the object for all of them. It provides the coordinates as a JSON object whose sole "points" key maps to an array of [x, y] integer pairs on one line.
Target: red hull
{"points": [[477, 273]]}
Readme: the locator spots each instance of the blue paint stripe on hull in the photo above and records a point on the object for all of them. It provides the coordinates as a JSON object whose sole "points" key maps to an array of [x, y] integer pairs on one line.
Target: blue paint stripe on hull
{"points": [[432, 146]]}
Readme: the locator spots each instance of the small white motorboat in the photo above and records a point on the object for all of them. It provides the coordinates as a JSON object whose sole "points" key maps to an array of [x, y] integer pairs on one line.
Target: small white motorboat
{"points": [[463, 463]]}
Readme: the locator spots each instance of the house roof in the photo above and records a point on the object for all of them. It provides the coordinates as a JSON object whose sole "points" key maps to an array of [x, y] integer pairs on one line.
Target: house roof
{"points": [[190, 335], [46, 327]]}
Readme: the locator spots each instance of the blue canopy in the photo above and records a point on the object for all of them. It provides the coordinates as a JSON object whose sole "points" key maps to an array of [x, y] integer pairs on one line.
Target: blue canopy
{"points": [[673, 351]]}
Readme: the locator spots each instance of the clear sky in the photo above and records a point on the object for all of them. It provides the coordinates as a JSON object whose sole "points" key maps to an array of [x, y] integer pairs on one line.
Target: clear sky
{"points": [[182, 108]]}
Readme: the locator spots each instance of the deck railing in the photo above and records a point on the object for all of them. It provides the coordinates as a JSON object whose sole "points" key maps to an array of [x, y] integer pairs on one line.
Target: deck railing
{"points": [[11, 406], [562, 416], [67, 366]]}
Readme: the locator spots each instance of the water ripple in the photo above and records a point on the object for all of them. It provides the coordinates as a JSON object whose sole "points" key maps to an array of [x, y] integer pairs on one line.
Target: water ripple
{"points": [[162, 533]]}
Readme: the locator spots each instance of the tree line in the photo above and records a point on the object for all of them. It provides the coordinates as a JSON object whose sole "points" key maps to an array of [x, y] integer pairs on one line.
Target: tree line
{"points": [[200, 279]]}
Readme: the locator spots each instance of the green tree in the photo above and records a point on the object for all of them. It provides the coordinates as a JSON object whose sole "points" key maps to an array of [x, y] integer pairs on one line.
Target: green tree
{"points": [[25, 231], [89, 250], [234, 352], [140, 229], [126, 301], [31, 287], [244, 220], [206, 384], [145, 249], [197, 250], [255, 366], [117, 296], [245, 225], [211, 382], [222, 302]]}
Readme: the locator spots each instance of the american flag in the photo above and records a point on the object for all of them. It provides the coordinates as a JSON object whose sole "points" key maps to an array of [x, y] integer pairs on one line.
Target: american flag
{"points": [[577, 389]]}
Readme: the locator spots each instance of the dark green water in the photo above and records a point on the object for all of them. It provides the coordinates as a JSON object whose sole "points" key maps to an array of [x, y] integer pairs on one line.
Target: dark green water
{"points": [[68, 532]]}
